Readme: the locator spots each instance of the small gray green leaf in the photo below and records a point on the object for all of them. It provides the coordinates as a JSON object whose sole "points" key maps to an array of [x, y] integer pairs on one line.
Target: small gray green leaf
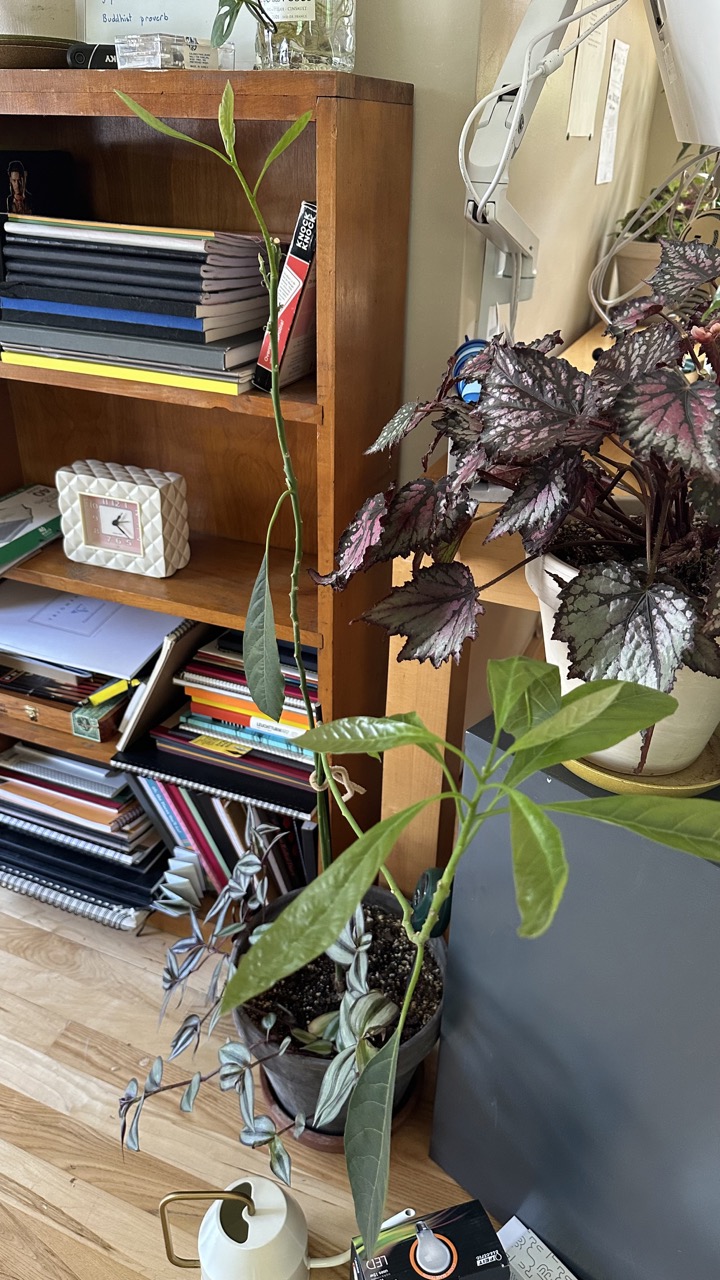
{"points": [[286, 141], [367, 1141], [187, 1102], [260, 651]]}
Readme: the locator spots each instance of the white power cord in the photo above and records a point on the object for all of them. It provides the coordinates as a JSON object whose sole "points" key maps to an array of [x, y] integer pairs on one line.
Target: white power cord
{"points": [[550, 64], [705, 166]]}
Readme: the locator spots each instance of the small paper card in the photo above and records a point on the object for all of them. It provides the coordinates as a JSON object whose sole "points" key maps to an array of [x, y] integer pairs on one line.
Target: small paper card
{"points": [[529, 1258]]}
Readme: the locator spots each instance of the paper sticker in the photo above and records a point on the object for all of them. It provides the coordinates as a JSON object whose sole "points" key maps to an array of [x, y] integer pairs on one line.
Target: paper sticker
{"points": [[587, 79], [221, 744], [290, 10], [611, 120], [529, 1258]]}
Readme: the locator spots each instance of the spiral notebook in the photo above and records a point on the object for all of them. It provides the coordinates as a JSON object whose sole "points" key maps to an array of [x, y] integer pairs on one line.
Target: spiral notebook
{"points": [[77, 903]]}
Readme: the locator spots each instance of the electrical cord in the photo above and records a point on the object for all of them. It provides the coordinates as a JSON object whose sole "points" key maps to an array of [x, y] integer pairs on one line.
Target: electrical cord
{"points": [[548, 65], [689, 171]]}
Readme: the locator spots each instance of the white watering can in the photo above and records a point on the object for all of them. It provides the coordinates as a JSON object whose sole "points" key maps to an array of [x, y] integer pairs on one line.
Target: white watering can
{"points": [[254, 1230]]}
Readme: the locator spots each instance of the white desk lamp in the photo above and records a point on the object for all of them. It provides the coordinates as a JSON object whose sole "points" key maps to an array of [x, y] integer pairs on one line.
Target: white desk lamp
{"points": [[686, 34]]}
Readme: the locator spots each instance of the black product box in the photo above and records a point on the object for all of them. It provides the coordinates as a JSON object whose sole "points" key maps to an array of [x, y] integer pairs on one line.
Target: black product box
{"points": [[451, 1244]]}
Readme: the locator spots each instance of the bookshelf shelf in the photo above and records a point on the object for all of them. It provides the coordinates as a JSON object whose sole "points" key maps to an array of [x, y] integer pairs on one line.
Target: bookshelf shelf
{"points": [[215, 587], [300, 405], [83, 748]]}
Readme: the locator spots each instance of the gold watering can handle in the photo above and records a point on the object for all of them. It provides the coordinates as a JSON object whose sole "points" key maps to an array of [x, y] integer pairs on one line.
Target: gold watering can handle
{"points": [[174, 1197]]}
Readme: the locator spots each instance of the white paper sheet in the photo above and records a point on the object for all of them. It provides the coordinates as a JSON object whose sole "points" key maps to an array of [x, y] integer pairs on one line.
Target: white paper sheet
{"points": [[587, 79], [529, 1258], [611, 119], [99, 635]]}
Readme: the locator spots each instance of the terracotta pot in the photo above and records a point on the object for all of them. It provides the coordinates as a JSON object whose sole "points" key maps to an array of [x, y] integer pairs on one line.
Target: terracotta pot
{"points": [[295, 1078], [678, 741]]}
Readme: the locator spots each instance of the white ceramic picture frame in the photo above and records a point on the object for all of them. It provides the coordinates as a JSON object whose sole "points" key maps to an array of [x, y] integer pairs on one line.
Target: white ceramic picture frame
{"points": [[125, 518]]}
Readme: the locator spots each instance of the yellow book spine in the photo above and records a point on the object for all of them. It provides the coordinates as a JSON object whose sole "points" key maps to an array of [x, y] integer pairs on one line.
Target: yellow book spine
{"points": [[210, 698], [187, 233], [123, 372]]}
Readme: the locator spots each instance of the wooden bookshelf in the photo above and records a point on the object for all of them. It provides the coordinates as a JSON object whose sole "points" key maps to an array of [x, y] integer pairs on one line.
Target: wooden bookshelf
{"points": [[83, 748], [354, 159], [300, 405], [215, 586]]}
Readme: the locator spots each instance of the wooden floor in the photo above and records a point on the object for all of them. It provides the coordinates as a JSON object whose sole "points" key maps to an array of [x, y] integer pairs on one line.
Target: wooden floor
{"points": [[78, 1019]]}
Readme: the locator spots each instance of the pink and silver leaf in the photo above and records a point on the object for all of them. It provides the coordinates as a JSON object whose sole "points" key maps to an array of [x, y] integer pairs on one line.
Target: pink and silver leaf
{"points": [[663, 414], [423, 515], [534, 403], [436, 611], [357, 543], [685, 265], [617, 627], [551, 489]]}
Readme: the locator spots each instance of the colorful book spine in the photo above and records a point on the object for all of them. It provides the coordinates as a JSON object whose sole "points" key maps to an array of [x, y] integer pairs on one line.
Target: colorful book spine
{"points": [[296, 296], [258, 738], [124, 373]]}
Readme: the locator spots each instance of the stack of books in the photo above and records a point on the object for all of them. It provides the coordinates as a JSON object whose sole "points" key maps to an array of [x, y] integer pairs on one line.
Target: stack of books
{"points": [[157, 305], [216, 768], [73, 835], [29, 518]]}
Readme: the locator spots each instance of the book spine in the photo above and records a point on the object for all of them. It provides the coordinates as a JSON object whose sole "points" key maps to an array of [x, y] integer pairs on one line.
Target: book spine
{"points": [[293, 278], [122, 372], [56, 895], [70, 842], [269, 742], [155, 774], [30, 541], [170, 825], [212, 868]]}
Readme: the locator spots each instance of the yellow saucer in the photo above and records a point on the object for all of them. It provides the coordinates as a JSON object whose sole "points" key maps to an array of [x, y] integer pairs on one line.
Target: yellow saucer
{"points": [[701, 776]]}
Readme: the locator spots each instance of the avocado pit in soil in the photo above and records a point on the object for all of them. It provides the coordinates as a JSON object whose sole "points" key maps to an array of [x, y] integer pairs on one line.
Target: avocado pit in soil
{"points": [[311, 991]]}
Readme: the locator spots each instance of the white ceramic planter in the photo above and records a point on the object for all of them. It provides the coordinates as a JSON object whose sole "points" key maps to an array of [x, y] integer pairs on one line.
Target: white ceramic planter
{"points": [[634, 263], [678, 741]]}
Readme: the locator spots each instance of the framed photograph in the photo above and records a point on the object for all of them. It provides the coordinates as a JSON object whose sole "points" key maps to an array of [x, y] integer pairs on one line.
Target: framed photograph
{"points": [[124, 517]]}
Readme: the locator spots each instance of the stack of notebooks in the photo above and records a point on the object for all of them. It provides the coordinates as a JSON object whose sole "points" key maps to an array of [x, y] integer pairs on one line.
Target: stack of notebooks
{"points": [[73, 835], [29, 518], [165, 306], [217, 766]]}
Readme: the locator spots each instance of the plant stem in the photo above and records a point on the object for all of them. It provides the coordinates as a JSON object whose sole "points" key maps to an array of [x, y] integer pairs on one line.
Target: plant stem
{"points": [[291, 484]]}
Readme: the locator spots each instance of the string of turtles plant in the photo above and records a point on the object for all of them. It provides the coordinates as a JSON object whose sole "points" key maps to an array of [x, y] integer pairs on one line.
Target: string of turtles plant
{"points": [[545, 729]]}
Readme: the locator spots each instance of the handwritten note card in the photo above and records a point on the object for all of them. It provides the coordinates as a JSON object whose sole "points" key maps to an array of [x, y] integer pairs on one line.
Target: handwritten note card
{"points": [[529, 1258], [107, 20]]}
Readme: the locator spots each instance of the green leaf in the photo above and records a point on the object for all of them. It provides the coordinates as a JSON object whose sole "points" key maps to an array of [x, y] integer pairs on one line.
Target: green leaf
{"points": [[315, 918], [260, 651], [523, 692], [693, 826], [187, 1102], [337, 1085], [591, 718], [280, 1163], [154, 1076], [367, 1141], [366, 735], [226, 120], [287, 139], [160, 127], [540, 867]]}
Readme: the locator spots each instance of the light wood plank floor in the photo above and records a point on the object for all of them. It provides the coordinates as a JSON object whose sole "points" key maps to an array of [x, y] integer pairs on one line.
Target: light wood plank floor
{"points": [[78, 1018]]}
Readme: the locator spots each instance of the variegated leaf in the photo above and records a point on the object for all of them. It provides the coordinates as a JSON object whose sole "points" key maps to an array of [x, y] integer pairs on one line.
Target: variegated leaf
{"points": [[436, 611], [423, 515], [704, 656], [662, 413], [711, 626], [534, 403], [361, 536], [552, 488], [638, 353], [399, 426], [685, 265], [619, 628], [628, 315]]}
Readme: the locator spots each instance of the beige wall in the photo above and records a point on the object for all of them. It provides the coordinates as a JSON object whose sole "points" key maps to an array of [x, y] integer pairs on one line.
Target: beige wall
{"points": [[552, 179], [433, 44]]}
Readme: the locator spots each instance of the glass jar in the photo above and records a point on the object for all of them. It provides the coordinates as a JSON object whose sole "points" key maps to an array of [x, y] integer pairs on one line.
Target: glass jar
{"points": [[311, 35]]}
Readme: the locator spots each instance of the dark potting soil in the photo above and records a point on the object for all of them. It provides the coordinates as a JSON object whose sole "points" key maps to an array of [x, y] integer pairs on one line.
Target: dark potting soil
{"points": [[311, 991]]}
